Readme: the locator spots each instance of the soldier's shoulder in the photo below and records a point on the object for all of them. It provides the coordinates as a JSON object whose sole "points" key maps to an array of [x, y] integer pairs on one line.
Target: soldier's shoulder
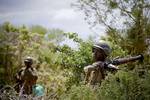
{"points": [[21, 69], [34, 69], [98, 63], [89, 67]]}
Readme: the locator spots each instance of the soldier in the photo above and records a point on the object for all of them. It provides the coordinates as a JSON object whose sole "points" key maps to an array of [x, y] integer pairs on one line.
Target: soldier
{"points": [[95, 73], [26, 77]]}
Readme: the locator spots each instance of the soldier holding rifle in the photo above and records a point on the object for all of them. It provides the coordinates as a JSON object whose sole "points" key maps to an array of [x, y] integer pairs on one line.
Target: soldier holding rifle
{"points": [[26, 77], [95, 73]]}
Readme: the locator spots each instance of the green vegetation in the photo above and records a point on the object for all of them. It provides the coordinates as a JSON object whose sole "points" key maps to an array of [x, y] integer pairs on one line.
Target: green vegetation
{"points": [[60, 67]]}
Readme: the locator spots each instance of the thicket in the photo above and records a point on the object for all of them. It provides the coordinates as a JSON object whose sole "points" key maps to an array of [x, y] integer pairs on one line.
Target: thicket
{"points": [[60, 67]]}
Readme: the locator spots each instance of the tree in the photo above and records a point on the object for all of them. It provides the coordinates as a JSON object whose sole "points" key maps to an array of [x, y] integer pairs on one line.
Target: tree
{"points": [[130, 18], [55, 35], [8, 43], [38, 29], [109, 12]]}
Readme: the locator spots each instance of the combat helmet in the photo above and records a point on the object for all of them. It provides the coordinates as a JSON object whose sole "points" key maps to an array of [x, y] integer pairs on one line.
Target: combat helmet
{"points": [[28, 60], [103, 46]]}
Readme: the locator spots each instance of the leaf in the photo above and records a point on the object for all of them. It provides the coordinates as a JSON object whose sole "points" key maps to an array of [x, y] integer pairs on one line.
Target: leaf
{"points": [[113, 4]]}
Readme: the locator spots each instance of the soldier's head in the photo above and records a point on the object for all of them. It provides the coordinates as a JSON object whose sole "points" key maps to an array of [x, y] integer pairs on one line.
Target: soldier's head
{"points": [[28, 61], [101, 50]]}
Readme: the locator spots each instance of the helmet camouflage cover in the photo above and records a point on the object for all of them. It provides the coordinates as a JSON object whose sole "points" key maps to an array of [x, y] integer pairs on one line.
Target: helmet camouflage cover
{"points": [[28, 60], [103, 46]]}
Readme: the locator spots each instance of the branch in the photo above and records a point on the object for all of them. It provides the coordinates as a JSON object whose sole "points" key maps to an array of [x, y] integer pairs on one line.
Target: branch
{"points": [[123, 9]]}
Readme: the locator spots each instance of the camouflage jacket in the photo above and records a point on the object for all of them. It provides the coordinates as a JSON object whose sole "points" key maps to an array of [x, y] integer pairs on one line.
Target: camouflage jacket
{"points": [[26, 77], [94, 73]]}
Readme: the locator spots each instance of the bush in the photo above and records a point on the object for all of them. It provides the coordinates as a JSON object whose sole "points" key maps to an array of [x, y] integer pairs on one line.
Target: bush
{"points": [[81, 92], [125, 86]]}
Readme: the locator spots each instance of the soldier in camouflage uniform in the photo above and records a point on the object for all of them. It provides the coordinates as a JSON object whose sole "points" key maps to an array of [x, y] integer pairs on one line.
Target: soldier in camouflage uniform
{"points": [[26, 77], [95, 73]]}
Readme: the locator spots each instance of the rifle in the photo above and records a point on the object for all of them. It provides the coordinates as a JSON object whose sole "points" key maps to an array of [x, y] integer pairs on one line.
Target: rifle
{"points": [[111, 64]]}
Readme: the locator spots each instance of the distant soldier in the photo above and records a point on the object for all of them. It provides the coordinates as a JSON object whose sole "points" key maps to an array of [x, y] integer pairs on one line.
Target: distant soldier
{"points": [[26, 77], [95, 73]]}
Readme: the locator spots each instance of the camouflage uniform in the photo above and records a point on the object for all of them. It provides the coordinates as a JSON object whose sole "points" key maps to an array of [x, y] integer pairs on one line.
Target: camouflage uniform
{"points": [[95, 73], [26, 77]]}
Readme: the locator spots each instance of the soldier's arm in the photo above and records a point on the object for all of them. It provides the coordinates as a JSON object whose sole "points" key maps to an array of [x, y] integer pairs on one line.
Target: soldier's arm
{"points": [[18, 74], [35, 71], [34, 74], [87, 71]]}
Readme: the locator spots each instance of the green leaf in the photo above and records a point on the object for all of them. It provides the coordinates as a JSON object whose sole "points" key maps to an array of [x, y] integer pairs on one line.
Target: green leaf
{"points": [[113, 4]]}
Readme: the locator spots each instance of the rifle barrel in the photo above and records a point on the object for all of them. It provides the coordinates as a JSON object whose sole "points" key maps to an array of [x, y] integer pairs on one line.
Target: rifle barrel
{"points": [[126, 60]]}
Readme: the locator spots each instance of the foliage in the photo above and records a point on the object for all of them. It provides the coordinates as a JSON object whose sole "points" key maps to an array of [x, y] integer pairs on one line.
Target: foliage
{"points": [[108, 12], [50, 58], [60, 67], [38, 29], [8, 45], [122, 86], [127, 39], [75, 60], [55, 35], [126, 86], [79, 92], [133, 26]]}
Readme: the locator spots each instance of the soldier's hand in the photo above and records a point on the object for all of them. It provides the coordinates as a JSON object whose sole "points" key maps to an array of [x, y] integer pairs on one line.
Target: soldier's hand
{"points": [[113, 67]]}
